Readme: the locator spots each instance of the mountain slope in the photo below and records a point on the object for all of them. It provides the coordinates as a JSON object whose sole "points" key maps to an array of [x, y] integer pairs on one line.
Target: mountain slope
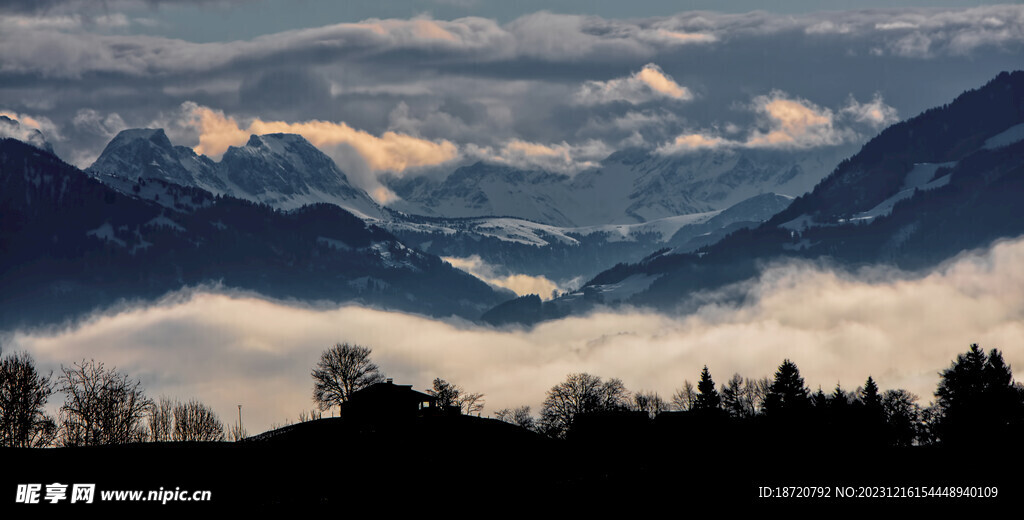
{"points": [[919, 193], [570, 255], [283, 170], [69, 244], [631, 186]]}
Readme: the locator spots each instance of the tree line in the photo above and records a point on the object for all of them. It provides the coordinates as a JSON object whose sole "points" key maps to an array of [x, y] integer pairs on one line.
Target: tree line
{"points": [[101, 406], [975, 395]]}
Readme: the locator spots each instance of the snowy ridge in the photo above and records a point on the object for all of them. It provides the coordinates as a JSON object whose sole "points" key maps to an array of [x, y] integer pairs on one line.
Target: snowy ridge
{"points": [[920, 178], [1011, 135], [283, 170], [629, 187], [526, 232]]}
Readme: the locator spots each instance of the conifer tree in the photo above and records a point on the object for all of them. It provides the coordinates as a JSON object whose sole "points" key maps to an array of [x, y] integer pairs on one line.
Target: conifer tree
{"points": [[869, 395], [787, 393], [976, 396], [707, 396]]}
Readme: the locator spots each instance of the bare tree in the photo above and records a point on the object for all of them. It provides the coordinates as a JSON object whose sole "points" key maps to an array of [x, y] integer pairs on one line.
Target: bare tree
{"points": [[342, 370], [101, 406], [237, 433], [648, 402], [194, 421], [756, 391], [580, 393], [161, 420], [518, 416], [445, 393], [312, 415], [448, 394], [23, 396], [685, 397]]}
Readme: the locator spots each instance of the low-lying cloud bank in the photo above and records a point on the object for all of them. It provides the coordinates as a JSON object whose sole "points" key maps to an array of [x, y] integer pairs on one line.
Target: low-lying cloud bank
{"points": [[228, 350], [521, 284]]}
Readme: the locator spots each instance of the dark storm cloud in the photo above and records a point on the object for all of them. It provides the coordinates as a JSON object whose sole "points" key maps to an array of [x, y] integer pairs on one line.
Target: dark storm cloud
{"points": [[478, 82], [78, 6]]}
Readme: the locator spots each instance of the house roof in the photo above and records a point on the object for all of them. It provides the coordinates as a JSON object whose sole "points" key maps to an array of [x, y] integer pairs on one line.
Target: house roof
{"points": [[390, 392]]}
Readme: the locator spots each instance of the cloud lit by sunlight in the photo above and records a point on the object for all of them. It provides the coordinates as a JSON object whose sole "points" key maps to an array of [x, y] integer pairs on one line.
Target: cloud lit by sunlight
{"points": [[786, 122], [391, 151], [228, 350], [647, 84], [521, 284]]}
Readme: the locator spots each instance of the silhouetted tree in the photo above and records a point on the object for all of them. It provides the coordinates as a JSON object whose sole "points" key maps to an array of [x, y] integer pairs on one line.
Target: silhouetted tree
{"points": [[342, 370], [930, 416], [101, 406], [236, 433], [579, 393], [787, 392], [902, 417], [23, 395], [445, 393], [194, 421], [732, 397], [839, 401], [866, 417], [684, 398], [707, 396], [976, 395], [518, 416], [161, 420], [756, 391], [448, 394], [312, 415], [648, 402], [869, 396], [819, 400]]}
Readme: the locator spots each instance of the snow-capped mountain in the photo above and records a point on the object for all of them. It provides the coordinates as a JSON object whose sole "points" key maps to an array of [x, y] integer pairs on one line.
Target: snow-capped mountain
{"points": [[565, 254], [921, 192], [72, 245], [282, 170], [483, 190], [631, 186]]}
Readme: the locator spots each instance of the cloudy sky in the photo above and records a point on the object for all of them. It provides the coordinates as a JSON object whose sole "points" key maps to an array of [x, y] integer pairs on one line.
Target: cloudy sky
{"points": [[420, 86]]}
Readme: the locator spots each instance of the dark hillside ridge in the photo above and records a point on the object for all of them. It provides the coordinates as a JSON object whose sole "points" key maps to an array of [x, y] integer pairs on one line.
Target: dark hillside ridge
{"points": [[69, 245]]}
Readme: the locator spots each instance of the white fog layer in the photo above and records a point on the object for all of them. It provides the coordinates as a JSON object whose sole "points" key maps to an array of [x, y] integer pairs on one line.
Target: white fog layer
{"points": [[228, 350]]}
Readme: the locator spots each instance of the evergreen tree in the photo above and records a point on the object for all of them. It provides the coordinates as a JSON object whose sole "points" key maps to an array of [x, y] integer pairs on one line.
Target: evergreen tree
{"points": [[707, 396], [839, 399], [868, 416], [869, 395], [787, 392], [819, 400], [976, 396]]}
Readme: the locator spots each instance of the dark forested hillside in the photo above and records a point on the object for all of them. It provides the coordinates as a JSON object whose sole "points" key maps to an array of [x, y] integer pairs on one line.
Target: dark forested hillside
{"points": [[69, 244]]}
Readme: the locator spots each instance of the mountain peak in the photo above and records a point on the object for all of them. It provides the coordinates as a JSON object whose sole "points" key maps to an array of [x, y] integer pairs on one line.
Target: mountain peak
{"points": [[157, 136], [13, 129], [284, 170]]}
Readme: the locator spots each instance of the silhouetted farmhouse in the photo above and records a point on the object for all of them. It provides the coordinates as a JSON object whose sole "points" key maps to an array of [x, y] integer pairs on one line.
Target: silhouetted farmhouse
{"points": [[388, 401]]}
